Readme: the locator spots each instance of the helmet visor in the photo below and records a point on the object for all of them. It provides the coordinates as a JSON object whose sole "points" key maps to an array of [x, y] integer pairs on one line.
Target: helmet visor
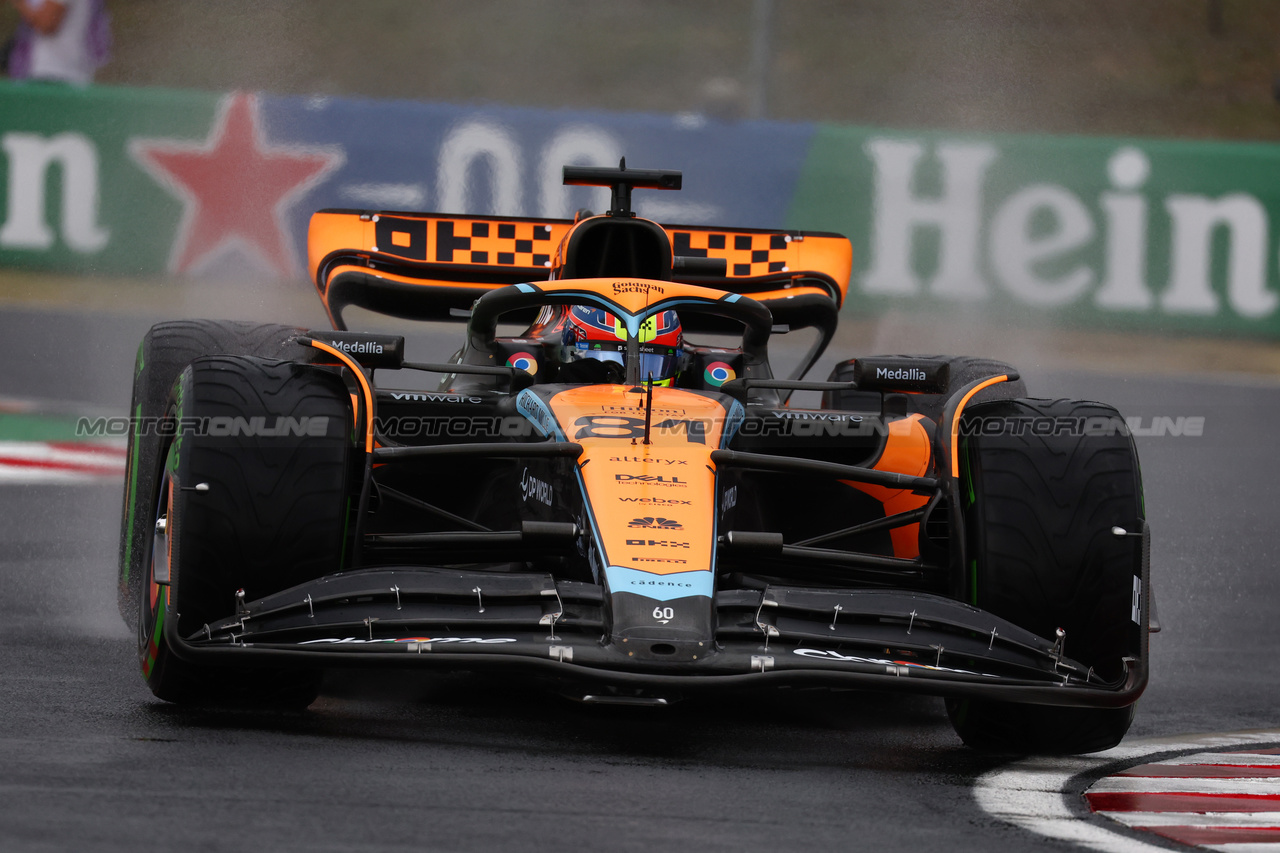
{"points": [[659, 362]]}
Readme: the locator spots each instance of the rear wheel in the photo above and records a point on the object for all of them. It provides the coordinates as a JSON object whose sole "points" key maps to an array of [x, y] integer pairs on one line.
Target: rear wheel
{"points": [[254, 498], [1043, 485]]}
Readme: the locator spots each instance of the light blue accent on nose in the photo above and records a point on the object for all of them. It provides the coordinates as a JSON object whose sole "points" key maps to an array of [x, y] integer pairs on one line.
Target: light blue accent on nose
{"points": [[660, 587], [526, 288]]}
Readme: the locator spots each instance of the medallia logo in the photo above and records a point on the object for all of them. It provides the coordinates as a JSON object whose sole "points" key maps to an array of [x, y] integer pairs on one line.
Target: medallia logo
{"points": [[902, 374], [358, 347]]}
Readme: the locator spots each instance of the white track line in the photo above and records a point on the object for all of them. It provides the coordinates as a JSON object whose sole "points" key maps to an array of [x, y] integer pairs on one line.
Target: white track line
{"points": [[1173, 785], [1141, 819], [1029, 793], [1243, 759]]}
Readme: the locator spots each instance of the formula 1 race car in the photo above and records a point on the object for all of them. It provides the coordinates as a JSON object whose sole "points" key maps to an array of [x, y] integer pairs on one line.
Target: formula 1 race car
{"points": [[604, 503]]}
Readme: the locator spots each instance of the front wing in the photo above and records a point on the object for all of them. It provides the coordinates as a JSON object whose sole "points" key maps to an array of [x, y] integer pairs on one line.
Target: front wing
{"points": [[777, 636]]}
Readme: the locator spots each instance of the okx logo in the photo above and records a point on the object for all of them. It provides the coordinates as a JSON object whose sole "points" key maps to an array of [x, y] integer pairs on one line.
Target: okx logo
{"points": [[657, 543], [656, 523]]}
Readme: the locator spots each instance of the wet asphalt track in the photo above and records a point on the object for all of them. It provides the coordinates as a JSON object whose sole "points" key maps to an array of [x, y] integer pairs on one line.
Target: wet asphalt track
{"points": [[90, 761]]}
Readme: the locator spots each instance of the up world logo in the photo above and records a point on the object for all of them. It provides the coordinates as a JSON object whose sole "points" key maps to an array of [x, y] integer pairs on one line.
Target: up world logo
{"points": [[534, 489]]}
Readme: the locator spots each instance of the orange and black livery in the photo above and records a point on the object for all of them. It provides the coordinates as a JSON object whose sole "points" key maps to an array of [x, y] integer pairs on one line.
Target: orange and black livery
{"points": [[607, 485]]}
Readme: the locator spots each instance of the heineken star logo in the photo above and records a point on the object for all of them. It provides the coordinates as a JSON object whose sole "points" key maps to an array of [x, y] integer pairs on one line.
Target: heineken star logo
{"points": [[237, 188]]}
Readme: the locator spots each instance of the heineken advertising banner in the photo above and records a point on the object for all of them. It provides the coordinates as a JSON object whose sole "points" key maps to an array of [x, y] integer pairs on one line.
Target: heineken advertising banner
{"points": [[1151, 234], [139, 181], [1140, 233]]}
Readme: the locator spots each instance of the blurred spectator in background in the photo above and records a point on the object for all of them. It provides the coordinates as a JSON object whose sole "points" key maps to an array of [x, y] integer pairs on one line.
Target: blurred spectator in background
{"points": [[59, 40]]}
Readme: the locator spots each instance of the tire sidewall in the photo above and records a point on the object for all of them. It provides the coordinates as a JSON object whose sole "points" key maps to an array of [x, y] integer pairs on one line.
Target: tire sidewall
{"points": [[162, 354]]}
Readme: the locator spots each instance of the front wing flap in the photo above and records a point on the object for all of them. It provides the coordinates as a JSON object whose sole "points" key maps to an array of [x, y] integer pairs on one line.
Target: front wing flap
{"points": [[864, 639]]}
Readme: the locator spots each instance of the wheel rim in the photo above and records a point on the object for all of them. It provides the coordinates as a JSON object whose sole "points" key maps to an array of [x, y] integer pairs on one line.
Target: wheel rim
{"points": [[155, 596]]}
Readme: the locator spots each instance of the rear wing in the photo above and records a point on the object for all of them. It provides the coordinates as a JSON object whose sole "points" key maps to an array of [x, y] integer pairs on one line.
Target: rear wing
{"points": [[430, 266]]}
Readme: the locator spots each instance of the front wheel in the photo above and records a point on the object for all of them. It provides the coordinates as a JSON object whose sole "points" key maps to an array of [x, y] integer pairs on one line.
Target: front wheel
{"points": [[1009, 727], [252, 496], [175, 680], [1044, 484], [165, 350]]}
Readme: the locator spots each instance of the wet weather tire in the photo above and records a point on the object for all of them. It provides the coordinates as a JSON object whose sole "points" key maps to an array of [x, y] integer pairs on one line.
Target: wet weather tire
{"points": [[255, 498], [1010, 728], [165, 350], [1039, 504]]}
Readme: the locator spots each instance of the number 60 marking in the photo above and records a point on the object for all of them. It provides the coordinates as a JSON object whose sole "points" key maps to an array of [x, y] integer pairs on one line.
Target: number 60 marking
{"points": [[664, 614]]}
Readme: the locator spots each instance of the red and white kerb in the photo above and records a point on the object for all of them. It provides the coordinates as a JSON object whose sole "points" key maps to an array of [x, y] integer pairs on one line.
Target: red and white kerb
{"points": [[59, 462], [1228, 801]]}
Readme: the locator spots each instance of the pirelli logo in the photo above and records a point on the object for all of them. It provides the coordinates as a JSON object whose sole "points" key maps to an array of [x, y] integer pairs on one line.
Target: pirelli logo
{"points": [[747, 254], [469, 241]]}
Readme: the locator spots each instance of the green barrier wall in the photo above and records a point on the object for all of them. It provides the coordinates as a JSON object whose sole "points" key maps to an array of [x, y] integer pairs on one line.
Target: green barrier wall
{"points": [[1131, 233], [74, 198], [1157, 235]]}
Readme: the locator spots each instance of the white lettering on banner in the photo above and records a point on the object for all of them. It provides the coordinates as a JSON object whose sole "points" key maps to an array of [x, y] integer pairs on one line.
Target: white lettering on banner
{"points": [[1040, 223], [1124, 283], [1194, 220], [30, 157], [462, 147], [1015, 252], [575, 145], [898, 212], [482, 153]]}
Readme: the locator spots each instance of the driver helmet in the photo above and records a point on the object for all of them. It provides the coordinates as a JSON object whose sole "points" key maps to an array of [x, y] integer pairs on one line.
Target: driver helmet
{"points": [[596, 334]]}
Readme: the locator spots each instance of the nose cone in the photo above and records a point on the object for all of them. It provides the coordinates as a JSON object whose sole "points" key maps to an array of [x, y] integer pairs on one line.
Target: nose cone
{"points": [[650, 629], [653, 512]]}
